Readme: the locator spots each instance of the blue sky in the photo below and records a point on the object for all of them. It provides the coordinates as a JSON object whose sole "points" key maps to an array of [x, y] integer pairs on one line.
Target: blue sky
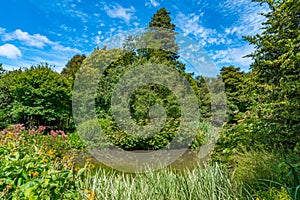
{"points": [[52, 31]]}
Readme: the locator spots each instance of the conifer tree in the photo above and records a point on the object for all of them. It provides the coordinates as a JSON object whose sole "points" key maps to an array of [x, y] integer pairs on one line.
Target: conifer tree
{"points": [[276, 69]]}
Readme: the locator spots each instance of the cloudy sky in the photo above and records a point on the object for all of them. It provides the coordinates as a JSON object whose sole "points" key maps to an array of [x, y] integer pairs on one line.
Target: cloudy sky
{"points": [[52, 31]]}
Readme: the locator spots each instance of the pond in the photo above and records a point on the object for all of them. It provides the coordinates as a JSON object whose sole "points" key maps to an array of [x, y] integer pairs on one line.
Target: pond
{"points": [[188, 160]]}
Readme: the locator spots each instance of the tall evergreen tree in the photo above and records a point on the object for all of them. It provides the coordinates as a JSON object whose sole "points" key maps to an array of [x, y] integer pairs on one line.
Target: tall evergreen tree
{"points": [[276, 70], [163, 31], [161, 19], [272, 87], [159, 41], [233, 80], [2, 70]]}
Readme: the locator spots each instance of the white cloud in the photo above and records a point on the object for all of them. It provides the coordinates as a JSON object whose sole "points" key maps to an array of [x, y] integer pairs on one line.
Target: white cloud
{"points": [[233, 56], [97, 40], [247, 25], [136, 24], [35, 40], [10, 51], [67, 28], [191, 24], [78, 14], [248, 20], [35, 49], [2, 30], [152, 3], [118, 11], [61, 48]]}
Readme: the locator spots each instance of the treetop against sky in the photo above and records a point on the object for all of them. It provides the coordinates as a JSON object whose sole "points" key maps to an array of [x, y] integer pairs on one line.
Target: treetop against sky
{"points": [[32, 32]]}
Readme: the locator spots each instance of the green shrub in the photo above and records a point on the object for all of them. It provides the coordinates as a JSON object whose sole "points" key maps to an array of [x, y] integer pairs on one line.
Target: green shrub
{"points": [[75, 141], [265, 172], [102, 133], [274, 194], [36, 166]]}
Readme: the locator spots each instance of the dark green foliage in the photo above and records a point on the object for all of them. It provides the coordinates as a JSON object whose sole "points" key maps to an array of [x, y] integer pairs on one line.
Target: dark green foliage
{"points": [[272, 91], [7, 81], [204, 97], [140, 102], [270, 94], [2, 70], [152, 48], [233, 82], [73, 66], [276, 70], [36, 96], [161, 19]]}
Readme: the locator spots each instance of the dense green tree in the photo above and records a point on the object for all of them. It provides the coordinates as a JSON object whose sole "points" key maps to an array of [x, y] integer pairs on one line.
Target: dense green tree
{"points": [[276, 70], [155, 47], [204, 97], [2, 70], [40, 96], [163, 31], [7, 81], [158, 40], [271, 88], [73, 66], [233, 82], [161, 19]]}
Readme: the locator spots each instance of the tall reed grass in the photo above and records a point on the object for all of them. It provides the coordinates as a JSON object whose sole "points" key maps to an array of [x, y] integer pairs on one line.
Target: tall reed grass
{"points": [[212, 183]]}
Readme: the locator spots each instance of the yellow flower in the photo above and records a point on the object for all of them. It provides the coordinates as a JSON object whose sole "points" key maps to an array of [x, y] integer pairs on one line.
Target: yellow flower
{"points": [[9, 135], [34, 174], [257, 198], [12, 150], [88, 191], [8, 187], [51, 152], [70, 164], [91, 194], [44, 160], [91, 197], [88, 160], [91, 165], [65, 157], [77, 169]]}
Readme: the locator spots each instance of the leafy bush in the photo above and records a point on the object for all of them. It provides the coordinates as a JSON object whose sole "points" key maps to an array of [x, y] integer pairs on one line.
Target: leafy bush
{"points": [[75, 141], [274, 194], [265, 173], [36, 166], [36, 96], [102, 133]]}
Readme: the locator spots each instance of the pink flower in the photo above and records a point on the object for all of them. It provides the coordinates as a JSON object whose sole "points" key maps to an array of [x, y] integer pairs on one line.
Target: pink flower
{"points": [[16, 133], [22, 127], [63, 135], [53, 133], [42, 128], [18, 128]]}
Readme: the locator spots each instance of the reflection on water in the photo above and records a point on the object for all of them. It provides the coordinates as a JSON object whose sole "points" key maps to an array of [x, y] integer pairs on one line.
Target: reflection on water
{"points": [[188, 160]]}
